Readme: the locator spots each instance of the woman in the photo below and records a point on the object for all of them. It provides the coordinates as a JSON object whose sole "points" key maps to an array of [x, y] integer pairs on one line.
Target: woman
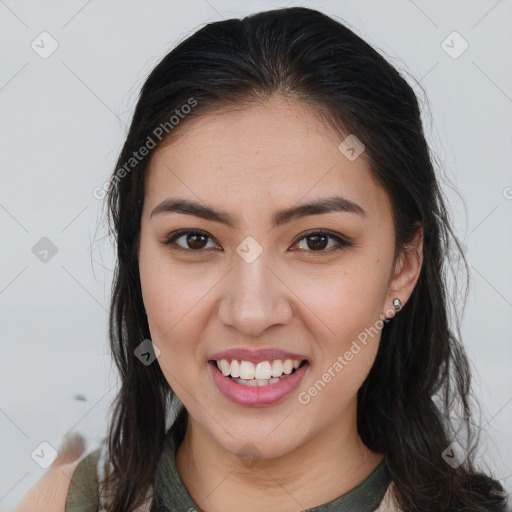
{"points": [[282, 243]]}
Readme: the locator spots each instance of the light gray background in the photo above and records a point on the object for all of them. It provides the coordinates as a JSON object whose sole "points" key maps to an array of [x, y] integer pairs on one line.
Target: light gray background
{"points": [[62, 123]]}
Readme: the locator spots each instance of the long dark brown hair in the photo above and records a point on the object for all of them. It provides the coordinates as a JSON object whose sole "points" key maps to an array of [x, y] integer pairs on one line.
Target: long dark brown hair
{"points": [[421, 375]]}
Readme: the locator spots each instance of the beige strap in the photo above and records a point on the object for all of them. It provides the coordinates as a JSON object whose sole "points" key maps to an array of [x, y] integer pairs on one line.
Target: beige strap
{"points": [[387, 504]]}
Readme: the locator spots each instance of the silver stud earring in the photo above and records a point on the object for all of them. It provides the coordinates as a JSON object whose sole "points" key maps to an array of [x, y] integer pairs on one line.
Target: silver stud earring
{"points": [[397, 304]]}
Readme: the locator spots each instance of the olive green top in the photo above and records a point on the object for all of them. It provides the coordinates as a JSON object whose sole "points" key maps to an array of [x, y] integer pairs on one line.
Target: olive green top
{"points": [[170, 493], [83, 490]]}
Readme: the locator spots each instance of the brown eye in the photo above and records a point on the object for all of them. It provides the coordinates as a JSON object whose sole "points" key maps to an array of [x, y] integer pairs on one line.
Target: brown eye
{"points": [[194, 241], [197, 241], [318, 241]]}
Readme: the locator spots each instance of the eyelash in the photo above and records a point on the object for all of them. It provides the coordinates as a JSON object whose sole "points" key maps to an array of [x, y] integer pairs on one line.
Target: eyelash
{"points": [[182, 232]]}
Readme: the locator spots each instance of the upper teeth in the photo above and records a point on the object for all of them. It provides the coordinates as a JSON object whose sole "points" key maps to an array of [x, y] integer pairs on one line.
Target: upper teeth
{"points": [[260, 371]]}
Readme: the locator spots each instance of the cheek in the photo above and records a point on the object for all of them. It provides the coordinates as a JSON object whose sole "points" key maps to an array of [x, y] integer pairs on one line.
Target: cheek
{"points": [[175, 300], [344, 317], [168, 292], [344, 302], [347, 340]]}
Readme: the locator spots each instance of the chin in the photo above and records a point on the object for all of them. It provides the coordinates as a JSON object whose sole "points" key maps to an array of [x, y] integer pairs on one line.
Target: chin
{"points": [[255, 443]]}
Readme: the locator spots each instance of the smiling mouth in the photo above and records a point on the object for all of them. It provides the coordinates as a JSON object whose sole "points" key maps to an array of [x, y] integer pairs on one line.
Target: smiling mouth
{"points": [[259, 374]]}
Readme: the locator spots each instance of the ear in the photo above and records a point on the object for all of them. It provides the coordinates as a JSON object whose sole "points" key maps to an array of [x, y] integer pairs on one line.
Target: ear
{"points": [[406, 272]]}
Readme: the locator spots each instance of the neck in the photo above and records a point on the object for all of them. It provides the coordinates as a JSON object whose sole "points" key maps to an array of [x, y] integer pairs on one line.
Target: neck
{"points": [[216, 479]]}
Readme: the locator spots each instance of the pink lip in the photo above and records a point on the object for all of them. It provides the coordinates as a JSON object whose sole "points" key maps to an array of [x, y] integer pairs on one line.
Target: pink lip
{"points": [[256, 396], [255, 356]]}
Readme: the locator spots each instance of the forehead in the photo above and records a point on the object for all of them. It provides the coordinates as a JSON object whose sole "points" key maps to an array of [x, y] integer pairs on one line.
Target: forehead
{"points": [[274, 153]]}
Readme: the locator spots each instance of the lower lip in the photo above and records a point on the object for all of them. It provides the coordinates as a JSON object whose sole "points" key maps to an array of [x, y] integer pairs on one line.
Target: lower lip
{"points": [[257, 396]]}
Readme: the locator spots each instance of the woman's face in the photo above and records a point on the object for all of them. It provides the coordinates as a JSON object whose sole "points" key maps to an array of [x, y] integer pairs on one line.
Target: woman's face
{"points": [[257, 286]]}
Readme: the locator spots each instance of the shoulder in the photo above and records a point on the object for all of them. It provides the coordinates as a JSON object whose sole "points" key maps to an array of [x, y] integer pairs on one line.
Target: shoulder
{"points": [[51, 492], [389, 505]]}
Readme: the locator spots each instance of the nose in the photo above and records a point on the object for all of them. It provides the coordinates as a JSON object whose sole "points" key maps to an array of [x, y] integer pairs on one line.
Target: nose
{"points": [[254, 297]]}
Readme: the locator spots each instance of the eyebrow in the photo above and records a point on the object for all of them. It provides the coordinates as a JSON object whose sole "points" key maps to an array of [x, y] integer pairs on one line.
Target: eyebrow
{"points": [[280, 217]]}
